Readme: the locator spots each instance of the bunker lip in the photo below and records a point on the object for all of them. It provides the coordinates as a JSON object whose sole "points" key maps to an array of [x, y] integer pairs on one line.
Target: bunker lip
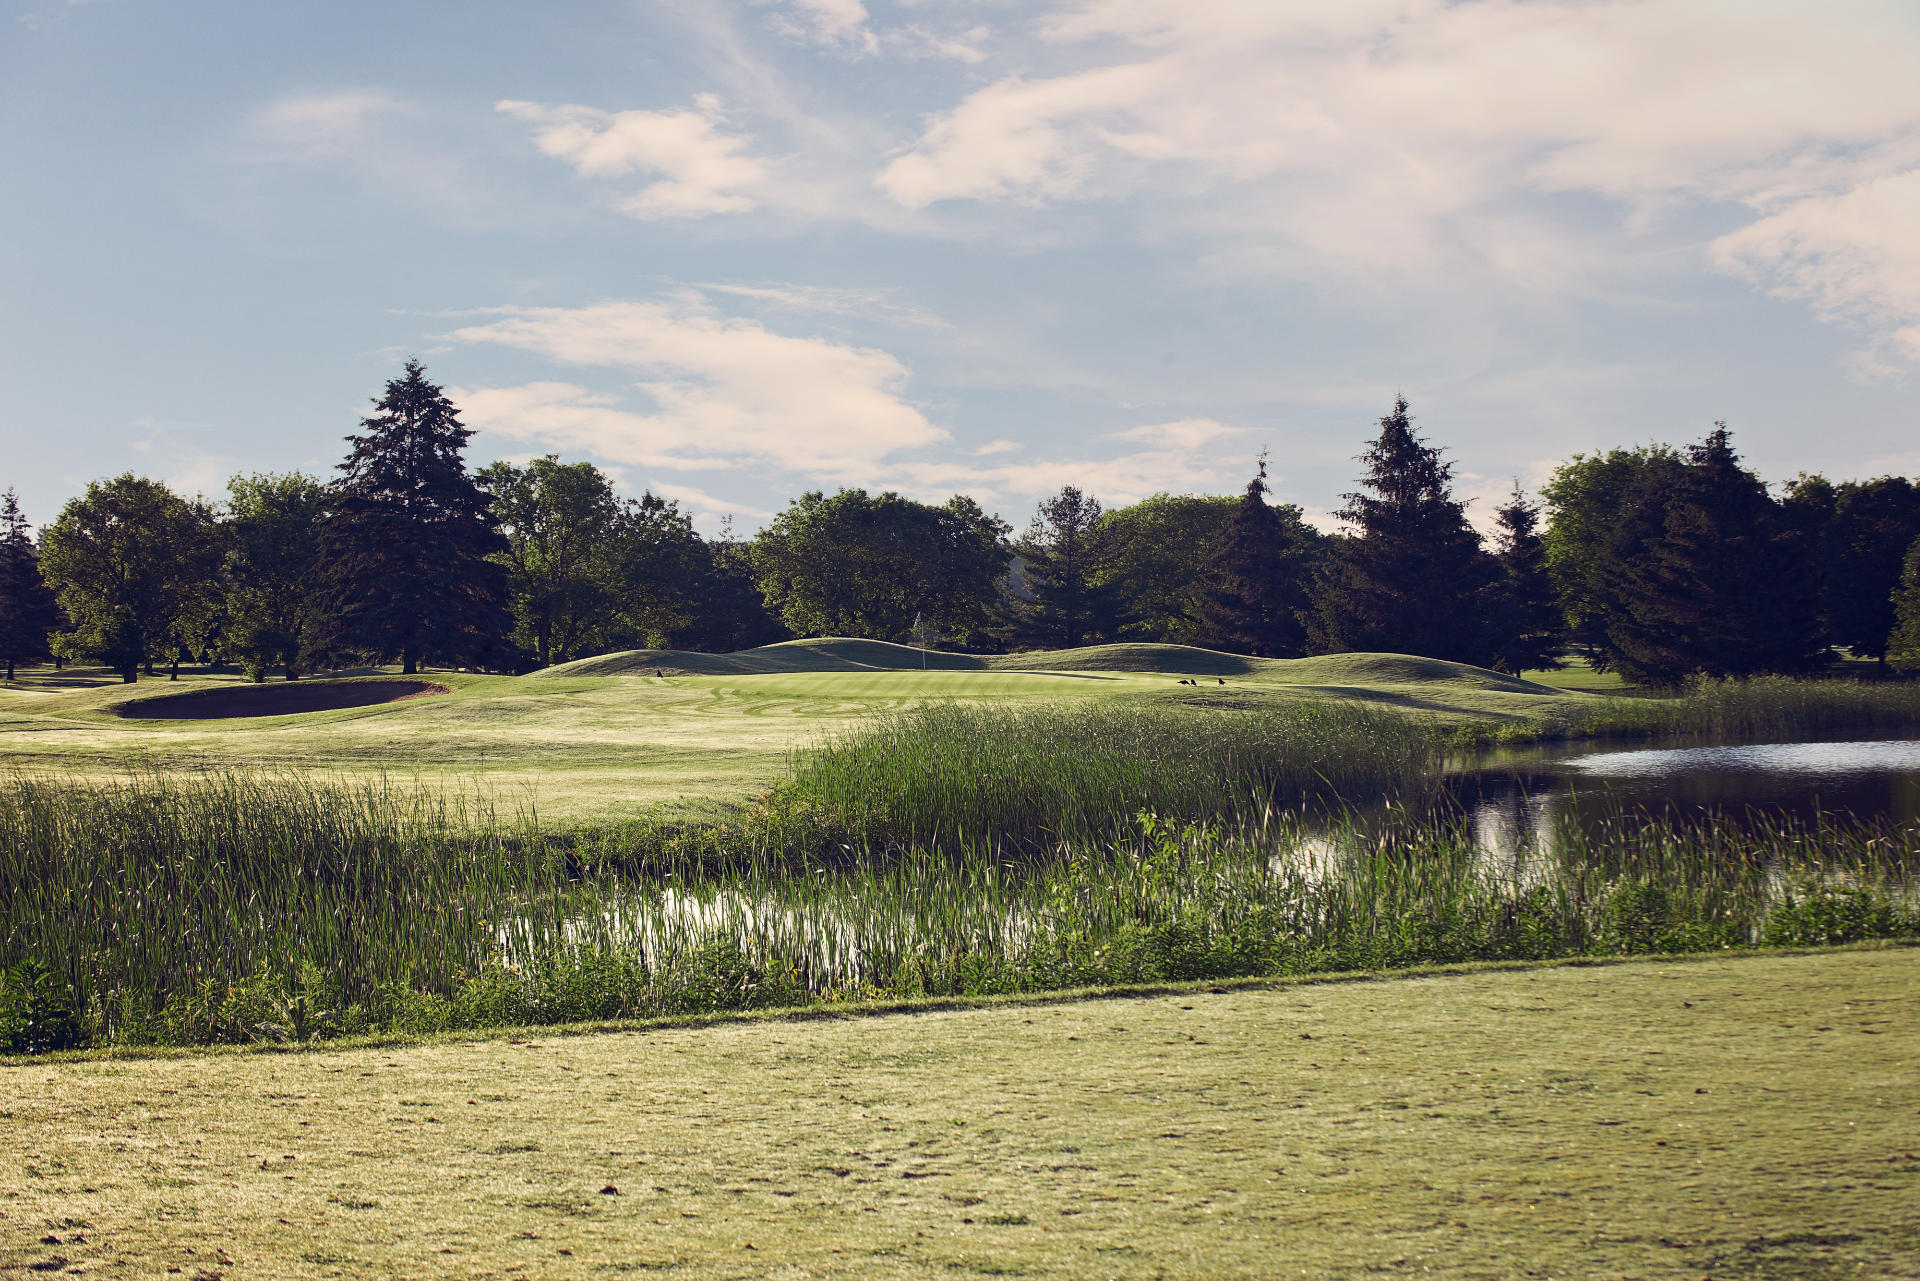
{"points": [[280, 699]]}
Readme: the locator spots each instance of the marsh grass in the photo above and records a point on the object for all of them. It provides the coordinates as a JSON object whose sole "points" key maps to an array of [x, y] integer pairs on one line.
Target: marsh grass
{"points": [[251, 909], [1760, 709], [958, 773]]}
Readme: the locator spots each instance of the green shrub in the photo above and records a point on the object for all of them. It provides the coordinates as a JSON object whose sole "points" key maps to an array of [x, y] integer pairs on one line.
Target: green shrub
{"points": [[37, 1012]]}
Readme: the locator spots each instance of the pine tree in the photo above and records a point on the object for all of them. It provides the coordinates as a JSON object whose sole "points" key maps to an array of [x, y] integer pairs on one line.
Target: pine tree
{"points": [[1529, 624], [1253, 597], [1413, 577], [408, 549], [1064, 605], [28, 613], [1903, 643], [1723, 588]]}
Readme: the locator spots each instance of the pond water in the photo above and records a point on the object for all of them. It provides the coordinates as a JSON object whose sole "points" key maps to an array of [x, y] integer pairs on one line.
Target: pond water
{"points": [[1514, 796]]}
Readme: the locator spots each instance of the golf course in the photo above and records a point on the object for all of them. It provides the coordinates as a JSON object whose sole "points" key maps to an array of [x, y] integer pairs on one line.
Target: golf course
{"points": [[666, 732]]}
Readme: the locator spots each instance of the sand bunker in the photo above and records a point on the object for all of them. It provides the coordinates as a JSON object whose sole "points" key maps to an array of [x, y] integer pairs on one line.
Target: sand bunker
{"points": [[279, 699]]}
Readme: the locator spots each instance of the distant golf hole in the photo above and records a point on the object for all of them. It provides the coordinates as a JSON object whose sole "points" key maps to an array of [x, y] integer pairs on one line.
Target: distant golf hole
{"points": [[279, 699]]}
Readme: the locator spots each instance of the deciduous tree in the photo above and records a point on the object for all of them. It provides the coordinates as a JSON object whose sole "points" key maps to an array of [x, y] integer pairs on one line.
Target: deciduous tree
{"points": [[129, 561], [274, 526]]}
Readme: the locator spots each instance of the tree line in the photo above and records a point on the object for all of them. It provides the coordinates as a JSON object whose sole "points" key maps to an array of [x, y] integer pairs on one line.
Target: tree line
{"points": [[1657, 562]]}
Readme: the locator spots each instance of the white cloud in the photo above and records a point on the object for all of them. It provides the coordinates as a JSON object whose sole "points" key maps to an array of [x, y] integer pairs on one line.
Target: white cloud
{"points": [[836, 24], [1438, 143], [700, 168], [1854, 254], [1179, 457], [872, 304], [329, 125], [723, 392]]}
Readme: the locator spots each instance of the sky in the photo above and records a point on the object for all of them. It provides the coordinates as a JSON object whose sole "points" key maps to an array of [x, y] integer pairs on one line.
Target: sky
{"points": [[733, 250]]}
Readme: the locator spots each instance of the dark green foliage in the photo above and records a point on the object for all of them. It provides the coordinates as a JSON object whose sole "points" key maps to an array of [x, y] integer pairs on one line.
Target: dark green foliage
{"points": [[732, 614], [409, 553], [586, 571], [868, 565], [1903, 643], [36, 1011], [1602, 510], [28, 613], [1526, 618], [1720, 586], [273, 558], [1254, 592], [1873, 523], [1412, 578], [1063, 605], [135, 568], [1153, 558]]}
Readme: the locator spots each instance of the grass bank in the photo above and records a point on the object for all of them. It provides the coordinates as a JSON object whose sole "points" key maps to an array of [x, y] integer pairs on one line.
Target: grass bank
{"points": [[1732, 1117]]}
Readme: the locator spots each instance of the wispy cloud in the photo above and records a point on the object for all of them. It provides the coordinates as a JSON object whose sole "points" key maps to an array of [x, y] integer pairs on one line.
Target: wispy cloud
{"points": [[718, 392], [698, 167]]}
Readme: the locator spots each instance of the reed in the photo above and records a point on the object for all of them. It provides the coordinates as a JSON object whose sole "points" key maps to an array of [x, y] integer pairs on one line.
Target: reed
{"points": [[1760, 709], [249, 909], [958, 773]]}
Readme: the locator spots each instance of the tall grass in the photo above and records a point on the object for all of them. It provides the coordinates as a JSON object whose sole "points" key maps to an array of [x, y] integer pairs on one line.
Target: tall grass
{"points": [[954, 773], [243, 909], [1760, 709]]}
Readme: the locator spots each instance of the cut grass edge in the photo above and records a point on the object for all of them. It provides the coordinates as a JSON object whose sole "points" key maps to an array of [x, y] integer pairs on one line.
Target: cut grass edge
{"points": [[854, 1010]]}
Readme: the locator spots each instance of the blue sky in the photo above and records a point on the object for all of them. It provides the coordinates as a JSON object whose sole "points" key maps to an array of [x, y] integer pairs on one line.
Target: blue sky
{"points": [[736, 249]]}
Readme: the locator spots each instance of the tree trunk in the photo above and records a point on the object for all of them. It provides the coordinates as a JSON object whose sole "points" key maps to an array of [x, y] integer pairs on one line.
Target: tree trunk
{"points": [[131, 673], [293, 673], [59, 663], [175, 675], [149, 665], [409, 662], [9, 671]]}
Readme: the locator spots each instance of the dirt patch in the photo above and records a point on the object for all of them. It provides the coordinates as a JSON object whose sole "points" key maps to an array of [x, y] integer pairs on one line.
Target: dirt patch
{"points": [[282, 699]]}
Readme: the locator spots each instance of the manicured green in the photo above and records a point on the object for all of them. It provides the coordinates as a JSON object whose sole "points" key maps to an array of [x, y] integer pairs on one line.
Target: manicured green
{"points": [[1729, 1117]]}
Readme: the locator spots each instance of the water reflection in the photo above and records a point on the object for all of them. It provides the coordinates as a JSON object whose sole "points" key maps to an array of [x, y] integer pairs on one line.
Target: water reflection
{"points": [[1518, 803]]}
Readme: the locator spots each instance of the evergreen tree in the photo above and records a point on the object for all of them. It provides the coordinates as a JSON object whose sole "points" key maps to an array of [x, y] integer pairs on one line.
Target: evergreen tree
{"points": [[132, 564], [1873, 523], [1528, 621], [1412, 578], [28, 613], [1723, 587], [1903, 642], [1253, 598], [408, 552], [274, 526], [1063, 604]]}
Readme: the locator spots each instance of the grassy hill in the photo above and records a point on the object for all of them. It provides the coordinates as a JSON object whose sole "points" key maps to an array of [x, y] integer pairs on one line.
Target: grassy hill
{"points": [[671, 731]]}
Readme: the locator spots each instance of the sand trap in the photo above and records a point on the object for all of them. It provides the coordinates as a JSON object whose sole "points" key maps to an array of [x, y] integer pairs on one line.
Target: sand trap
{"points": [[284, 698]]}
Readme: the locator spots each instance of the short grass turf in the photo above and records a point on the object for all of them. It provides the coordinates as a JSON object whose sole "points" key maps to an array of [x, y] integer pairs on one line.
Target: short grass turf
{"points": [[1749, 1116], [606, 739]]}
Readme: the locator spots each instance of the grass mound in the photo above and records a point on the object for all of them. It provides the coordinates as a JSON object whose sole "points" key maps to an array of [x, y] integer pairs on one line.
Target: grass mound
{"points": [[825, 654], [281, 699]]}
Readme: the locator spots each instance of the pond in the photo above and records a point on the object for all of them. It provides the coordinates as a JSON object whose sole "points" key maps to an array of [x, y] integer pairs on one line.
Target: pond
{"points": [[1521, 797]]}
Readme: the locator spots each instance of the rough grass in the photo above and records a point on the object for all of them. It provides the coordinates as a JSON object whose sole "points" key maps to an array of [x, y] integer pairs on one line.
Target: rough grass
{"points": [[1754, 1117]]}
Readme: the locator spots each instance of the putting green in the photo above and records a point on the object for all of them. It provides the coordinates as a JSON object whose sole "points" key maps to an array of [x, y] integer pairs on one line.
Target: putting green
{"points": [[1749, 1116], [605, 738]]}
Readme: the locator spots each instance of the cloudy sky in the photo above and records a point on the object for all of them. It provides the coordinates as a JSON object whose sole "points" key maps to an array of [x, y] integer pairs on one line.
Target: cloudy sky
{"points": [[736, 249]]}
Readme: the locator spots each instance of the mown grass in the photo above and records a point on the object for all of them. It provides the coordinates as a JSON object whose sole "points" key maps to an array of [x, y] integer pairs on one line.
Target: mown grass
{"points": [[1730, 1116]]}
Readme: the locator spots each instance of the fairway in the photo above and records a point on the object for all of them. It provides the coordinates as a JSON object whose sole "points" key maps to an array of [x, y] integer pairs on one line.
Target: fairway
{"points": [[606, 738], [1751, 1116]]}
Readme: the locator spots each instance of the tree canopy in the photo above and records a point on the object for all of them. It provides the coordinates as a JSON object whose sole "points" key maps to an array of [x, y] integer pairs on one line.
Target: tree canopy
{"points": [[411, 546], [1412, 576], [860, 564], [1253, 597], [28, 612]]}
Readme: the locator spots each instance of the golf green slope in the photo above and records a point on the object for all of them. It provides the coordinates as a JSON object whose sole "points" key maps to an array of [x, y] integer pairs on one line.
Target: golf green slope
{"points": [[661, 731]]}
